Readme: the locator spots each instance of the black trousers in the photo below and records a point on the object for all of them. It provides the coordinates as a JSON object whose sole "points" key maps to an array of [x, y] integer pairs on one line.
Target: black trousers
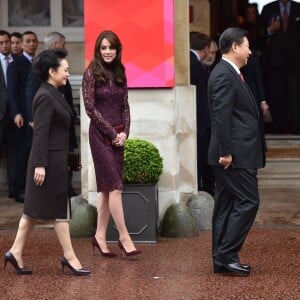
{"points": [[283, 93], [206, 180], [11, 140], [20, 154], [236, 205]]}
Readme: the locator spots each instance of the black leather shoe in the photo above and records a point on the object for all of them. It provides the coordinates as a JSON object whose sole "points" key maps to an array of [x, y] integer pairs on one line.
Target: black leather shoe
{"points": [[237, 269], [246, 267], [222, 269], [234, 268], [19, 198]]}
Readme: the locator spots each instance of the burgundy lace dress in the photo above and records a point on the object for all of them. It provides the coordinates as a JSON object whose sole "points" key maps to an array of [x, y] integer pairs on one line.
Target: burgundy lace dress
{"points": [[107, 106]]}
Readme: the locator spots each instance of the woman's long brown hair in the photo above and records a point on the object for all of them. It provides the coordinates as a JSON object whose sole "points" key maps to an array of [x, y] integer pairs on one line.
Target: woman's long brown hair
{"points": [[100, 67]]}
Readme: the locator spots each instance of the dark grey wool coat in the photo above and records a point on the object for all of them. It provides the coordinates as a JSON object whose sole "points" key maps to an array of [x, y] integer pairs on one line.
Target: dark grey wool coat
{"points": [[52, 117]]}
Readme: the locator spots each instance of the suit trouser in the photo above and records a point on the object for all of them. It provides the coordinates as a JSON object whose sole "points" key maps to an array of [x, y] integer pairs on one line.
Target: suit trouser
{"points": [[23, 151], [11, 137], [283, 93], [236, 205], [204, 174]]}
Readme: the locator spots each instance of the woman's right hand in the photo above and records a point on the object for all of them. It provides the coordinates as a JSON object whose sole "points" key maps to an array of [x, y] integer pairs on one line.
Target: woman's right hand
{"points": [[120, 140]]}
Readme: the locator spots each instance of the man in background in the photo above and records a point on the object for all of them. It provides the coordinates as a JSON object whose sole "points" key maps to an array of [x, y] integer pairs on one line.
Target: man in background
{"points": [[281, 27], [18, 149], [213, 55], [16, 43], [5, 59], [199, 73]]}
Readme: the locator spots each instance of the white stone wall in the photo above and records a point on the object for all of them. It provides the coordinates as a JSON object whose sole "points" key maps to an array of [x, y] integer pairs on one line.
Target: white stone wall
{"points": [[167, 118]]}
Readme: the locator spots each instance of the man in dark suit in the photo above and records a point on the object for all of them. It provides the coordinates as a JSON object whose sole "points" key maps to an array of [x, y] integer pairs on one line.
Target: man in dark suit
{"points": [[7, 130], [235, 153], [5, 59], [18, 150], [281, 26], [199, 72]]}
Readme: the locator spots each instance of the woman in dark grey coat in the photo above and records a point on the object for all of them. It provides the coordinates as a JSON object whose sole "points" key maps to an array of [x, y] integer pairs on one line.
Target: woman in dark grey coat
{"points": [[46, 194]]}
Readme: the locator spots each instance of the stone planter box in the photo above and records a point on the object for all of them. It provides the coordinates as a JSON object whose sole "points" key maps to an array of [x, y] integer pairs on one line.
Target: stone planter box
{"points": [[140, 204]]}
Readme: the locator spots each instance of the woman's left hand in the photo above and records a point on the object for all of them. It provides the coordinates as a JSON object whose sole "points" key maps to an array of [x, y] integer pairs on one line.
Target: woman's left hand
{"points": [[39, 175], [121, 139]]}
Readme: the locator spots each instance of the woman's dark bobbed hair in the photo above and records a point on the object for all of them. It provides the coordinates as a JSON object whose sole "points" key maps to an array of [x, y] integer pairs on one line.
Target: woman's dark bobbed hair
{"points": [[46, 60]]}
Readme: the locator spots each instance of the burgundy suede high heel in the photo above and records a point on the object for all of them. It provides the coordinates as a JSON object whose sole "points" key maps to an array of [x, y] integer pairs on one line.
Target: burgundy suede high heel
{"points": [[10, 258], [104, 254], [125, 253], [79, 272]]}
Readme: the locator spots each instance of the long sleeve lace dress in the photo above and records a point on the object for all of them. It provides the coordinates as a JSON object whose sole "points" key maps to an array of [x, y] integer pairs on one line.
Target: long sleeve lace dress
{"points": [[107, 106]]}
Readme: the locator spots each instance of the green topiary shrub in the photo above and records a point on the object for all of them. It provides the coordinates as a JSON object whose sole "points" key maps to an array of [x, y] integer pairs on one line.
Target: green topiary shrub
{"points": [[142, 162]]}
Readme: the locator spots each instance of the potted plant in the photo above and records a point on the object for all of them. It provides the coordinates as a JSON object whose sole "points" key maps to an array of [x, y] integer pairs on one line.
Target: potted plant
{"points": [[142, 167]]}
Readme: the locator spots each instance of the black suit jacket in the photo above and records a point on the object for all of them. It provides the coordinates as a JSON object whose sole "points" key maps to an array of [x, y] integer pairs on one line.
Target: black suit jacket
{"points": [[235, 119], [17, 74], [199, 77], [33, 84], [282, 48]]}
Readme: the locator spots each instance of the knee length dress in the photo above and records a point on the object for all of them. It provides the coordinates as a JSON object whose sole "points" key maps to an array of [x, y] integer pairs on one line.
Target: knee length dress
{"points": [[107, 106]]}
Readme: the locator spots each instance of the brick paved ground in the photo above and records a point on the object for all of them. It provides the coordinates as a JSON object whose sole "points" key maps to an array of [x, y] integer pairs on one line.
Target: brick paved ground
{"points": [[170, 269]]}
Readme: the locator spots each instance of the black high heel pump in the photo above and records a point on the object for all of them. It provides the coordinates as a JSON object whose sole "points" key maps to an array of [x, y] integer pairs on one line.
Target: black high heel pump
{"points": [[8, 257], [104, 254], [78, 272]]}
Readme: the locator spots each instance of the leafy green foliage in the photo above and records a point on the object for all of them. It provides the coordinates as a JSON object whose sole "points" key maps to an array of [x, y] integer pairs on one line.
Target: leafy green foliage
{"points": [[142, 162]]}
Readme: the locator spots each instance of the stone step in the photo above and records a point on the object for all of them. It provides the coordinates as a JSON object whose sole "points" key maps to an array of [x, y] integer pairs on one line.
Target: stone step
{"points": [[292, 152], [283, 162], [282, 140]]}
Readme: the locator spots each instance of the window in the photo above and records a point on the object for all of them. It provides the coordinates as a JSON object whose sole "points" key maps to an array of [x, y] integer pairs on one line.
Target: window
{"points": [[43, 16]]}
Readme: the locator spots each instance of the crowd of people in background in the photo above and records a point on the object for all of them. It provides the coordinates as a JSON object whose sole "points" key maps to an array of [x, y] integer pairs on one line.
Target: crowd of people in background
{"points": [[255, 76], [272, 72]]}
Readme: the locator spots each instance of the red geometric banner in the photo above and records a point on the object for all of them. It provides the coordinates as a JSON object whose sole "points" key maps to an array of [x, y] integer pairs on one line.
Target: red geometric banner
{"points": [[146, 31]]}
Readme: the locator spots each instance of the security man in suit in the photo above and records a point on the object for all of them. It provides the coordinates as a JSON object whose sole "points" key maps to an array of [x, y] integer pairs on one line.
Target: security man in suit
{"points": [[199, 72], [5, 121], [17, 75], [235, 153], [280, 21], [5, 59]]}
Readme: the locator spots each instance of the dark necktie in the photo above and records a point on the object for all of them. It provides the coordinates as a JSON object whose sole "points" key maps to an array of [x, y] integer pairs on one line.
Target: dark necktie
{"points": [[285, 17], [242, 77]]}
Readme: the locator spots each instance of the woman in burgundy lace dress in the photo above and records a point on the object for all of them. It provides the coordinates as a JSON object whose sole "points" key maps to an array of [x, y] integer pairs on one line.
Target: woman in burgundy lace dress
{"points": [[106, 103]]}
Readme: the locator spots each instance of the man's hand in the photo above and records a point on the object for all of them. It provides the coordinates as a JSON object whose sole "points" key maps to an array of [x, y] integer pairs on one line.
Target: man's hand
{"points": [[19, 120], [274, 25], [225, 161], [39, 175], [264, 107]]}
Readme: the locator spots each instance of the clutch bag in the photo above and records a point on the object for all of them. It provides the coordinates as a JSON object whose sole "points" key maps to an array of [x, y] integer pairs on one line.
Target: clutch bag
{"points": [[74, 161]]}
